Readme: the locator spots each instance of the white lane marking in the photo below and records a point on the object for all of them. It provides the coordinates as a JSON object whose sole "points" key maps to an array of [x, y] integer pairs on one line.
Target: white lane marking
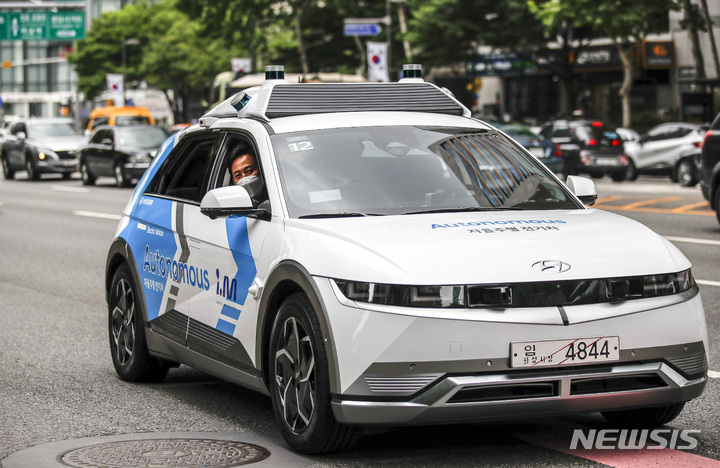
{"points": [[692, 240], [94, 214], [714, 374], [61, 188], [708, 282]]}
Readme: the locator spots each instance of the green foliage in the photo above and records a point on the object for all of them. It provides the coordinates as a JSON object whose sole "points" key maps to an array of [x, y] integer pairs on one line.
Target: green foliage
{"points": [[449, 31]]}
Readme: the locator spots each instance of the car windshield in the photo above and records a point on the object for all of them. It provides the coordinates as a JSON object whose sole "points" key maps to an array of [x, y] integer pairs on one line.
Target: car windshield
{"points": [[55, 129], [408, 169], [144, 137], [131, 119]]}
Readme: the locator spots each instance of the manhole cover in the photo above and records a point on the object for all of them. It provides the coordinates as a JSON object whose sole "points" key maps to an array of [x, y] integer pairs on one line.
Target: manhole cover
{"points": [[162, 453]]}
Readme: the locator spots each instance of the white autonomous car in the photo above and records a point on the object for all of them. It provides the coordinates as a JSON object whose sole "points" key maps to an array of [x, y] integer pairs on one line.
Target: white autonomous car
{"points": [[380, 257]]}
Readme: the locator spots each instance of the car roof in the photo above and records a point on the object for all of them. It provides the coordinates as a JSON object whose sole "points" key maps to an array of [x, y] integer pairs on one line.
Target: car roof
{"points": [[278, 99]]}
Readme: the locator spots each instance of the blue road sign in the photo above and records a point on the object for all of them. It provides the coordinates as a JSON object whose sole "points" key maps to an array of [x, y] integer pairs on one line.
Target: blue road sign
{"points": [[362, 29]]}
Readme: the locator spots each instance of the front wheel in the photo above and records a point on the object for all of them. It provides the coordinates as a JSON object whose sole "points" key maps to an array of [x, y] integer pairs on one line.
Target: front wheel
{"points": [[7, 172], [120, 178], [644, 417], [299, 382], [31, 171], [631, 172], [88, 178], [128, 345], [717, 203], [685, 173]]}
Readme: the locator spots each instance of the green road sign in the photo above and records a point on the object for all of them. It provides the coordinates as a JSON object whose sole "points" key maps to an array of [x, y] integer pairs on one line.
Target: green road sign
{"points": [[42, 25]]}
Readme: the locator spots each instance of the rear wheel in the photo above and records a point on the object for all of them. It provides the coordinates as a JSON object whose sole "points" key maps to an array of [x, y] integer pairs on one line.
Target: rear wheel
{"points": [[88, 178], [717, 203], [7, 172], [128, 345], [31, 171], [299, 382], [644, 417]]}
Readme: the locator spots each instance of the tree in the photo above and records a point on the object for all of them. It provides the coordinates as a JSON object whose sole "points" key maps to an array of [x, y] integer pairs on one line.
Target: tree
{"points": [[171, 54], [625, 23], [450, 31]]}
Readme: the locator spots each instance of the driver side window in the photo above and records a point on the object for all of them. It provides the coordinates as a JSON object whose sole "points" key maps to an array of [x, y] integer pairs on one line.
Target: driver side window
{"points": [[185, 173]]}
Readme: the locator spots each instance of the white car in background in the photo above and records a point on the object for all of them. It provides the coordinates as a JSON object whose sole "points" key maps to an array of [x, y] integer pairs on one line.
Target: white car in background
{"points": [[666, 149], [400, 263]]}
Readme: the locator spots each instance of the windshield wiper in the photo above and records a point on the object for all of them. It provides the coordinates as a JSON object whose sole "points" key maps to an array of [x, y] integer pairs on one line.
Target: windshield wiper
{"points": [[338, 215], [465, 208]]}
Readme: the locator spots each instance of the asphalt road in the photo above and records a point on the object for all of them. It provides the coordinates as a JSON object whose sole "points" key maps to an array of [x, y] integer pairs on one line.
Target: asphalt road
{"points": [[57, 383]]}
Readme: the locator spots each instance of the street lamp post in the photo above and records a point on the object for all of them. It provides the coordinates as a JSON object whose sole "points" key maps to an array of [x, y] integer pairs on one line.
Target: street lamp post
{"points": [[126, 42]]}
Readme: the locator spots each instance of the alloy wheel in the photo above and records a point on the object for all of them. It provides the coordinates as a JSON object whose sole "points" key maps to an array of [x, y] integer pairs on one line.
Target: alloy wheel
{"points": [[123, 323], [295, 375]]}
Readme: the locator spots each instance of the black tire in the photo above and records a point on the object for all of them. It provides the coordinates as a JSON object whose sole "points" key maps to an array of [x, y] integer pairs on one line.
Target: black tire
{"points": [[717, 203], [299, 382], [128, 345], [31, 171], [631, 172], [618, 176], [88, 178], [644, 417], [8, 173], [120, 179], [685, 173]]}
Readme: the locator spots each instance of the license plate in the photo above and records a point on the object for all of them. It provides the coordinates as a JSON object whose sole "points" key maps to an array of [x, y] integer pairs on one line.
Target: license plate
{"points": [[606, 161], [564, 352], [537, 152]]}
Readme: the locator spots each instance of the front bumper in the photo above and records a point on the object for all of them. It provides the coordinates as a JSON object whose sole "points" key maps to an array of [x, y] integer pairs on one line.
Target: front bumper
{"points": [[395, 368], [57, 166], [135, 170]]}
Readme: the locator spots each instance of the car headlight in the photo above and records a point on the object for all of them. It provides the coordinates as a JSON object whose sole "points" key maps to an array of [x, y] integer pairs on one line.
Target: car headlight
{"points": [[539, 294], [140, 158], [46, 154]]}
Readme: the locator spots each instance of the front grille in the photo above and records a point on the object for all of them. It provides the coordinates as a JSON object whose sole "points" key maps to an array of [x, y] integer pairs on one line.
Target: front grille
{"points": [[66, 154], [616, 384], [506, 392]]}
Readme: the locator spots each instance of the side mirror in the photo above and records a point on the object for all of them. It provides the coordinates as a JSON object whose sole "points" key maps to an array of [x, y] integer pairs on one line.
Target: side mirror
{"points": [[583, 188], [227, 201]]}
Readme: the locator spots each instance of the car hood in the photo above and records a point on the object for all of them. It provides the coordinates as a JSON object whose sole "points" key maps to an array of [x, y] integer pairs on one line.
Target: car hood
{"points": [[467, 248], [66, 143]]}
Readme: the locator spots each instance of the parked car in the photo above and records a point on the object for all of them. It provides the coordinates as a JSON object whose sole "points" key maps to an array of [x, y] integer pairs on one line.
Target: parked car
{"points": [[122, 152], [710, 166], [42, 146], [389, 260], [667, 149], [545, 150], [588, 147]]}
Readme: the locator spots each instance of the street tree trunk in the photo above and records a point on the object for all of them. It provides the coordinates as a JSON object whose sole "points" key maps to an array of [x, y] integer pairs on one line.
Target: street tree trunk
{"points": [[297, 11], [626, 87], [713, 45], [690, 19]]}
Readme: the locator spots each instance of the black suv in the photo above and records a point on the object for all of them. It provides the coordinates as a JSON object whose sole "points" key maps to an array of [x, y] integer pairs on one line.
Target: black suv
{"points": [[588, 146], [710, 166]]}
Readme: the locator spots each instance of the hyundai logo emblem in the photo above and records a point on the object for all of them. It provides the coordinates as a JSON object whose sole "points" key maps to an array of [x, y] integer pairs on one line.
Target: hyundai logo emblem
{"points": [[551, 266]]}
